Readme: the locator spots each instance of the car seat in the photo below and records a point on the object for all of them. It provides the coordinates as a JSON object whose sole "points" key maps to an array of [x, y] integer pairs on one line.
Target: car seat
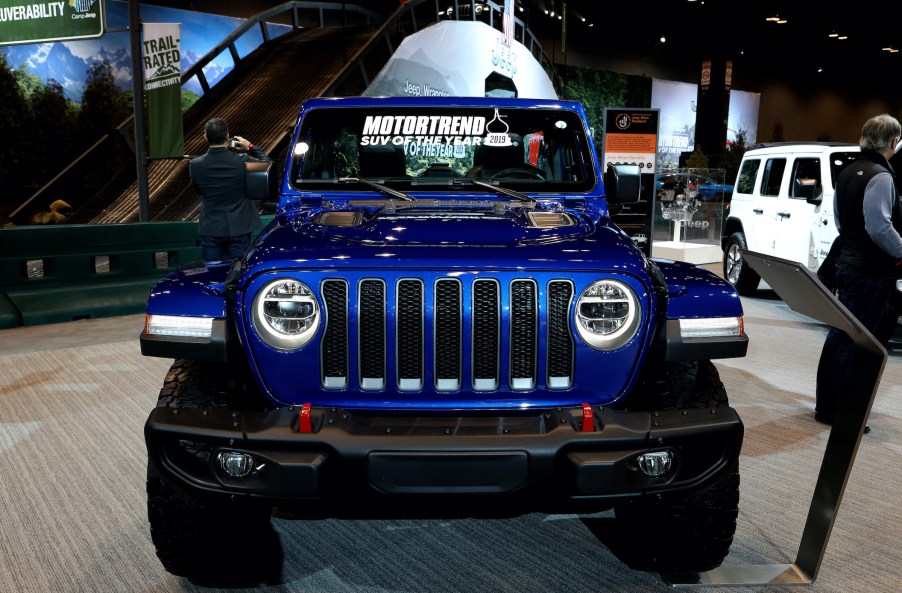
{"points": [[382, 161], [490, 160]]}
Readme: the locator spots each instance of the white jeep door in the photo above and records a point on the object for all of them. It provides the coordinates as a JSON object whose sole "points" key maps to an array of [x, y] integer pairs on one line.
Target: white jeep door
{"points": [[798, 233]]}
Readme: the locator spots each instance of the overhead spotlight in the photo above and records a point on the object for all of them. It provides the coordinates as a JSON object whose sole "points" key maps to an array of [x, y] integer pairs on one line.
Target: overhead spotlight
{"points": [[663, 39]]}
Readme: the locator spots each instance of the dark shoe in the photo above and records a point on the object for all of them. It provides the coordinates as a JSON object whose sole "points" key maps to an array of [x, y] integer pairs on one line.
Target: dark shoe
{"points": [[829, 422], [823, 419]]}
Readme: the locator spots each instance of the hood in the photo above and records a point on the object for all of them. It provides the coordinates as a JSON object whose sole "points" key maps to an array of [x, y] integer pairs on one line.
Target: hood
{"points": [[460, 238]]}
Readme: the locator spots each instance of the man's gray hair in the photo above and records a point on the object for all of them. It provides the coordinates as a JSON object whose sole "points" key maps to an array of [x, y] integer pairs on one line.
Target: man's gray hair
{"points": [[879, 133]]}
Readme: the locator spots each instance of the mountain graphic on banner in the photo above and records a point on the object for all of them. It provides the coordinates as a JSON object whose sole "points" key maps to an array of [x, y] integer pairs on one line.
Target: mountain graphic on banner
{"points": [[166, 72]]}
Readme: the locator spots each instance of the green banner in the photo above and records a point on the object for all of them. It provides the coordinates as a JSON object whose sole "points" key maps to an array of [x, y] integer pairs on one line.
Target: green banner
{"points": [[163, 87], [23, 21]]}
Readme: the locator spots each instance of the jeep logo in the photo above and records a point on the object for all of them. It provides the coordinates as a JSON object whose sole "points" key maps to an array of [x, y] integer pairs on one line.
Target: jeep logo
{"points": [[699, 224]]}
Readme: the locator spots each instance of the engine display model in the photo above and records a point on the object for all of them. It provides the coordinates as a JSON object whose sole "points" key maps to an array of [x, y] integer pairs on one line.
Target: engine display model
{"points": [[442, 320]]}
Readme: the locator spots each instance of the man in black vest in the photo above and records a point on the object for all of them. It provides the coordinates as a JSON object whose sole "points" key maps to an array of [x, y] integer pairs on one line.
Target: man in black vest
{"points": [[227, 217], [869, 215]]}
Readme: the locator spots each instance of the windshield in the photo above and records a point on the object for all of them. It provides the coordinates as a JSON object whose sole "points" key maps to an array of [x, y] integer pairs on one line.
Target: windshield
{"points": [[428, 148]]}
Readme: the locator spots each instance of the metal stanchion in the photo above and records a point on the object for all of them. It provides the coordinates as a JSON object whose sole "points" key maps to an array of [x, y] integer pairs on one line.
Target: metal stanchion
{"points": [[803, 292]]}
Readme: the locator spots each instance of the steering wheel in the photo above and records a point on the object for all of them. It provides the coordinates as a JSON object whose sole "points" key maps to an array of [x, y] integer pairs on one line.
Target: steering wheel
{"points": [[518, 173]]}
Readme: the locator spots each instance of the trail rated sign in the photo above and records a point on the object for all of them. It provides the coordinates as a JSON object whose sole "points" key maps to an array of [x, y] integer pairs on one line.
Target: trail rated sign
{"points": [[39, 21]]}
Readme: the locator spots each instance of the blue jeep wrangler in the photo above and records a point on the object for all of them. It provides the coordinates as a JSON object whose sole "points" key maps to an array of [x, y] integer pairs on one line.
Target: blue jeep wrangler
{"points": [[442, 320]]}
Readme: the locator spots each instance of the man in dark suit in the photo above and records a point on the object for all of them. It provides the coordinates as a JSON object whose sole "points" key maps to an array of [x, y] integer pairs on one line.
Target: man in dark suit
{"points": [[227, 217]]}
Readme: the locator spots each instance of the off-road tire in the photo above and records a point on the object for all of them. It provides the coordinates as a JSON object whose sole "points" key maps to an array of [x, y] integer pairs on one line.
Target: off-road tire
{"points": [[206, 539], [736, 270], [683, 532]]}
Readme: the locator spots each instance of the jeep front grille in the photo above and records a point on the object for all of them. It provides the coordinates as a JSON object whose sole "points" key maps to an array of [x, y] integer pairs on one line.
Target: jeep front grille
{"points": [[394, 331]]}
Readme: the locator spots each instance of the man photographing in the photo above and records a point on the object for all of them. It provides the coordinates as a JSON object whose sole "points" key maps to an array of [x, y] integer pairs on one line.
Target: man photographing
{"points": [[227, 217]]}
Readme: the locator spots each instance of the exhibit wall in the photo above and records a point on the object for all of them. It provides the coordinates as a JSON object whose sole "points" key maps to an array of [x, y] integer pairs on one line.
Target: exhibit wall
{"points": [[676, 102], [68, 62]]}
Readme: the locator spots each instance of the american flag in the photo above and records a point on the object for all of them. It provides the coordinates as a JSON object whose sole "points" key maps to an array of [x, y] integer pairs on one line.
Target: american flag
{"points": [[508, 22]]}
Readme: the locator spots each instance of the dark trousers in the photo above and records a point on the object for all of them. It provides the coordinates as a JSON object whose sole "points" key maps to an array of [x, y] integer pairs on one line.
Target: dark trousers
{"points": [[870, 300], [224, 247]]}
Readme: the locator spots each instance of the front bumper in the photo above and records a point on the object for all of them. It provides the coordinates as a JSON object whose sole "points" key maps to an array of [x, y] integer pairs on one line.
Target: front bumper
{"points": [[544, 458]]}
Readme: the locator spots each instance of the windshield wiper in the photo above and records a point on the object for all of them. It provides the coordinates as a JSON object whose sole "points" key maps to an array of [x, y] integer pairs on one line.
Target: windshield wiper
{"points": [[378, 186], [494, 188]]}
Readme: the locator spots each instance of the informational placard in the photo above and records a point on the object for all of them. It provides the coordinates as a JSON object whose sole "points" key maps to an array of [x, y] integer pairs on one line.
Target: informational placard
{"points": [[631, 138], [28, 21]]}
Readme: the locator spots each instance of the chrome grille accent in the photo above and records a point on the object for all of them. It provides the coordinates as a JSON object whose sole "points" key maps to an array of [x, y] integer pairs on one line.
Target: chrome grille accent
{"points": [[359, 334]]}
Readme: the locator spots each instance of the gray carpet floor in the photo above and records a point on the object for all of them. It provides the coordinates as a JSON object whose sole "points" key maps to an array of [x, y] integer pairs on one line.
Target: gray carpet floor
{"points": [[74, 398]]}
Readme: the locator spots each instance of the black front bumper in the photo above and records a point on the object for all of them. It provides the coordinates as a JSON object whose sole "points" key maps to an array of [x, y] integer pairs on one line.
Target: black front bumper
{"points": [[547, 457]]}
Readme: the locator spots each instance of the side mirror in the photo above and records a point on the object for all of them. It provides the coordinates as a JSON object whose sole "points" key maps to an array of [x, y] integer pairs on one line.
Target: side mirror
{"points": [[622, 184], [260, 181], [807, 189]]}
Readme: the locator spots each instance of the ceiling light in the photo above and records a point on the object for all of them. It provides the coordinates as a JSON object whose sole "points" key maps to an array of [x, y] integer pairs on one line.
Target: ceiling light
{"points": [[772, 19], [782, 21], [841, 37], [833, 34]]}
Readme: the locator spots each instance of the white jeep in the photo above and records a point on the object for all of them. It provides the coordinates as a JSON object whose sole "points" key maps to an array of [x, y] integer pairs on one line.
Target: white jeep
{"points": [[783, 206]]}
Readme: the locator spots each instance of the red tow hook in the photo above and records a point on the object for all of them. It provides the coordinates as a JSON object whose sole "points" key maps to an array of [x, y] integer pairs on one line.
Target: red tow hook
{"points": [[304, 415], [588, 419]]}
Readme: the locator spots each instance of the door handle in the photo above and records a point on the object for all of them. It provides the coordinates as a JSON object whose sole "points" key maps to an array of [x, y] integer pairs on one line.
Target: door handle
{"points": [[783, 214], [758, 211]]}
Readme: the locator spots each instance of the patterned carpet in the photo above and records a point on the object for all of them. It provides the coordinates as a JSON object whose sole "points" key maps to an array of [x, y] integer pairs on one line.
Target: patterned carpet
{"points": [[74, 398]]}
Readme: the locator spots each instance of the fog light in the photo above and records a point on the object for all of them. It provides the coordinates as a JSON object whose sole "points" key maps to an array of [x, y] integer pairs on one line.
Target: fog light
{"points": [[236, 465], [655, 464]]}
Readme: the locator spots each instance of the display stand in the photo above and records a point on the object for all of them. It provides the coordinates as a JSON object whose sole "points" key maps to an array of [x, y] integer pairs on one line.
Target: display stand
{"points": [[678, 249], [803, 292]]}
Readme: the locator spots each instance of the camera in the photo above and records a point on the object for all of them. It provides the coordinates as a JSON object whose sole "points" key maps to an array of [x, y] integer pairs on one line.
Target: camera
{"points": [[234, 143]]}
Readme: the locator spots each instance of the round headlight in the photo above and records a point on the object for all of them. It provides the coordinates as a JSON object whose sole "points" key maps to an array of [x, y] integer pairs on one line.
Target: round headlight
{"points": [[607, 315], [286, 314]]}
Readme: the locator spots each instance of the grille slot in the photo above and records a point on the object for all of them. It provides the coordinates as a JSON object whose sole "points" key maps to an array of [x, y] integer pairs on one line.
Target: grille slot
{"points": [[465, 320], [560, 342], [371, 336], [524, 321], [334, 353], [447, 335], [486, 334], [410, 335]]}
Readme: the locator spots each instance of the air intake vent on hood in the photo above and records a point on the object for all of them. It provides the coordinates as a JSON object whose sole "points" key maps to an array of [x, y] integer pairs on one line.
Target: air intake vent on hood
{"points": [[345, 219], [549, 220]]}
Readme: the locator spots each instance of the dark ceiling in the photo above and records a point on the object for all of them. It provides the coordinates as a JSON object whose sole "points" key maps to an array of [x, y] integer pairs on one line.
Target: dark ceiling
{"points": [[799, 52]]}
